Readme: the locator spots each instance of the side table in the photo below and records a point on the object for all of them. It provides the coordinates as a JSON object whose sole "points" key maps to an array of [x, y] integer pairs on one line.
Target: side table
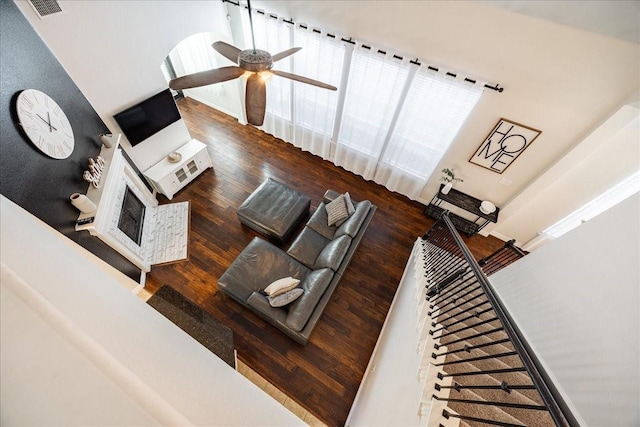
{"points": [[465, 202]]}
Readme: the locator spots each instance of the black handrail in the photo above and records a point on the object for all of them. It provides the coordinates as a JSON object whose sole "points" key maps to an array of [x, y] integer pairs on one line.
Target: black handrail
{"points": [[552, 400]]}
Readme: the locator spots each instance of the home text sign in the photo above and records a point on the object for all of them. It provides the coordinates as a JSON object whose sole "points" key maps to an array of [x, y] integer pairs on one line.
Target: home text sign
{"points": [[504, 143]]}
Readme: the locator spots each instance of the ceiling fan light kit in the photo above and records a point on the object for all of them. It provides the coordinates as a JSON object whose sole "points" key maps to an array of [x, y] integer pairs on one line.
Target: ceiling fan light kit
{"points": [[256, 65]]}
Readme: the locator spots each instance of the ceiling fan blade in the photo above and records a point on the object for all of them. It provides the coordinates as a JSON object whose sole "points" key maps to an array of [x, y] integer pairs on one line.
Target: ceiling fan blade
{"points": [[303, 79], [228, 51], [256, 99], [285, 53], [204, 78]]}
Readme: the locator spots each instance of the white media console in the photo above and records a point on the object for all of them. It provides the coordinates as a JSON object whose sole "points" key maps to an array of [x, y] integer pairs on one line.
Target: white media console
{"points": [[170, 177]]}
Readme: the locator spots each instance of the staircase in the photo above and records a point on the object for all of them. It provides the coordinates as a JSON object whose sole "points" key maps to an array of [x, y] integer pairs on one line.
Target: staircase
{"points": [[478, 370], [501, 258]]}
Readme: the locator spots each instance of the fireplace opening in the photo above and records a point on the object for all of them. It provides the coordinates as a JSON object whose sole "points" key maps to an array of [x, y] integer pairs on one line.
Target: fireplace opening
{"points": [[132, 217]]}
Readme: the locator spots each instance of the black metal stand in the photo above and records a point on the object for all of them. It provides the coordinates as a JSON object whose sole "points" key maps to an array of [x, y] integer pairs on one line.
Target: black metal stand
{"points": [[465, 202]]}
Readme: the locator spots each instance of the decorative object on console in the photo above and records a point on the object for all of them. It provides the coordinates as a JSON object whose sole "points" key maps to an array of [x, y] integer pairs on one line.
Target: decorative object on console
{"points": [[449, 177], [82, 203], [257, 63], [94, 174], [487, 207], [109, 140], [45, 124], [503, 145], [174, 157]]}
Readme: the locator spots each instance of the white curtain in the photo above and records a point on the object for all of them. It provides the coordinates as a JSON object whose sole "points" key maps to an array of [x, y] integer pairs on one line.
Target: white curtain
{"points": [[314, 108], [376, 82], [433, 112], [390, 121]]}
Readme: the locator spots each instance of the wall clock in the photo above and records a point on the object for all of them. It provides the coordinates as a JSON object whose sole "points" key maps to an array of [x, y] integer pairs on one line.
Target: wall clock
{"points": [[45, 124]]}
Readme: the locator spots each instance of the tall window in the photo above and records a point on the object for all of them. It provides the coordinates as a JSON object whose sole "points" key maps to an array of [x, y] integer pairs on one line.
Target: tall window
{"points": [[595, 207], [315, 109], [390, 121], [432, 113], [373, 94]]}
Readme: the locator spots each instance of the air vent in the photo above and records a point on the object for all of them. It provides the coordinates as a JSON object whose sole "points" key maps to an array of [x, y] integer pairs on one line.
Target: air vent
{"points": [[45, 7]]}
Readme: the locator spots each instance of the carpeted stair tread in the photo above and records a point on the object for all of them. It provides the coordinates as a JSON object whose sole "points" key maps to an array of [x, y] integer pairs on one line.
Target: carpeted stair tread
{"points": [[513, 378], [529, 397], [466, 312], [531, 418], [479, 411]]}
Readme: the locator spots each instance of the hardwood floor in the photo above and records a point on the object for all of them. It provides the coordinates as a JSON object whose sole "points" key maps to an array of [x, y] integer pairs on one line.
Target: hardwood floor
{"points": [[323, 376]]}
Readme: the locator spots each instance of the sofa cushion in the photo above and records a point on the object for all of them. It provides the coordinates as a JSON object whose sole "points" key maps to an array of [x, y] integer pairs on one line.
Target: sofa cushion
{"points": [[307, 247], [314, 285], [352, 225], [339, 210], [281, 286], [319, 222], [259, 264], [260, 304], [286, 298], [333, 253]]}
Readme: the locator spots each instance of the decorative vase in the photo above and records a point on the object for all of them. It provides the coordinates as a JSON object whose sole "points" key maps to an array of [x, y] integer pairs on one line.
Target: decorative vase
{"points": [[109, 140], [446, 188], [82, 203]]}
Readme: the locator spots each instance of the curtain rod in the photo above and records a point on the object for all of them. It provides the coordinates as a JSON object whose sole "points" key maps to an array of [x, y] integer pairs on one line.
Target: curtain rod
{"points": [[350, 40]]}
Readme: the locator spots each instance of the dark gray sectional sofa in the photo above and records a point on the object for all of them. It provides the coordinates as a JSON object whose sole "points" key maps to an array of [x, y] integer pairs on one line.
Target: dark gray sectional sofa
{"points": [[318, 257]]}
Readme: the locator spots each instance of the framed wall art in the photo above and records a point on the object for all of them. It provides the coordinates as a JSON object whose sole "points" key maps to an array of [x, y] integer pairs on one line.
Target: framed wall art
{"points": [[503, 145]]}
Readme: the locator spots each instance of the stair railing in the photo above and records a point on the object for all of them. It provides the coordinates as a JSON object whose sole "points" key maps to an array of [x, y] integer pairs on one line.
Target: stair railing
{"points": [[501, 258], [459, 293]]}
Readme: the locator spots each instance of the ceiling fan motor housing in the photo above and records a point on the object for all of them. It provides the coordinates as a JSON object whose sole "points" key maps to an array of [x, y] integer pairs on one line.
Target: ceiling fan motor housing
{"points": [[255, 60]]}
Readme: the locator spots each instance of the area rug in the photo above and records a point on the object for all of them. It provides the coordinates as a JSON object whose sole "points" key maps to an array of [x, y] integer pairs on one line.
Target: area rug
{"points": [[196, 322]]}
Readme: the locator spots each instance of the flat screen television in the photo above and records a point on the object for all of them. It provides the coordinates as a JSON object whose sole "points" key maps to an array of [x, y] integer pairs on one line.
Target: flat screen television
{"points": [[148, 117]]}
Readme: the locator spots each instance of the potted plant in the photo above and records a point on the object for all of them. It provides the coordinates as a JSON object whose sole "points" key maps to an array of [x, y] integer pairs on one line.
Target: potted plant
{"points": [[449, 176]]}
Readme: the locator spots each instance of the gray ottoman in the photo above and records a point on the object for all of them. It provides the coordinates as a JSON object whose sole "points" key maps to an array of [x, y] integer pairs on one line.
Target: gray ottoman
{"points": [[274, 210]]}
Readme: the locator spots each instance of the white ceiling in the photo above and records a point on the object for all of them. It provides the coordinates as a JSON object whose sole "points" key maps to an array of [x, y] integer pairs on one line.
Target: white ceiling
{"points": [[615, 18]]}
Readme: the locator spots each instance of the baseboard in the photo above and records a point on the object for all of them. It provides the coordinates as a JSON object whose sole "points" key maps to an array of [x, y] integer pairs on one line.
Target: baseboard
{"points": [[496, 235]]}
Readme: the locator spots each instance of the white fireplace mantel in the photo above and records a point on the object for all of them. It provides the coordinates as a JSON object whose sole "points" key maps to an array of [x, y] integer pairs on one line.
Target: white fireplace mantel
{"points": [[164, 230]]}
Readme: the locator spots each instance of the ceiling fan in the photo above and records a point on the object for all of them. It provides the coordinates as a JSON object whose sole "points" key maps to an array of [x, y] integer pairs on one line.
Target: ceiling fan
{"points": [[256, 65]]}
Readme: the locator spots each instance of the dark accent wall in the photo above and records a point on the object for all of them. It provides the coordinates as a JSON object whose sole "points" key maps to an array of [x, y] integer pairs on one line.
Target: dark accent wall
{"points": [[36, 182]]}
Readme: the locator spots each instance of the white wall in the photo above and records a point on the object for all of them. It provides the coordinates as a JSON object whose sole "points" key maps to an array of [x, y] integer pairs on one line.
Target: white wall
{"points": [[78, 348], [577, 300], [563, 81], [390, 392], [577, 178], [113, 51]]}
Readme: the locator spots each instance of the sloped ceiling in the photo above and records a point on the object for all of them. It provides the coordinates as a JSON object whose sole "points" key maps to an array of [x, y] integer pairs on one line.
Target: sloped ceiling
{"points": [[620, 19]]}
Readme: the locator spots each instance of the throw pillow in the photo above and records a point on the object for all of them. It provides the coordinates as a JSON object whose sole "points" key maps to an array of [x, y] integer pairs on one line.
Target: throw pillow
{"points": [[286, 298], [350, 208], [339, 209], [281, 286]]}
